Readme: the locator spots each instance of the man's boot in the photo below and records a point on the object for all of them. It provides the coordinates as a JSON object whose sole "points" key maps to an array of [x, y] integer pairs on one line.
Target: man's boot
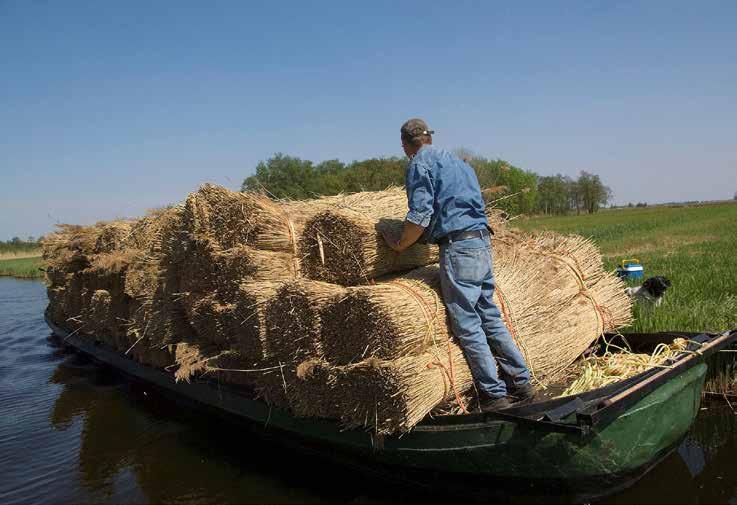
{"points": [[522, 393], [489, 404]]}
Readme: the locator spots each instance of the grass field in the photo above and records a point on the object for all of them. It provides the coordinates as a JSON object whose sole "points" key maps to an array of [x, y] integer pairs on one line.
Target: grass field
{"points": [[695, 247], [22, 267]]}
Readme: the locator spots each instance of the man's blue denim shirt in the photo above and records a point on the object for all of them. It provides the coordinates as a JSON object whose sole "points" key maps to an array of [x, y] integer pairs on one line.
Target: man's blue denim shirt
{"points": [[443, 194]]}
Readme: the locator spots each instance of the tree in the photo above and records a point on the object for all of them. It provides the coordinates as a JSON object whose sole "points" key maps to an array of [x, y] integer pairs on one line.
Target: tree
{"points": [[575, 195], [511, 180], [374, 174], [553, 194], [735, 196], [282, 176], [592, 192]]}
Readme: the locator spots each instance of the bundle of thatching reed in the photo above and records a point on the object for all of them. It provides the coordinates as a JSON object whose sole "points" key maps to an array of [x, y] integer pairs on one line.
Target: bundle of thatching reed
{"points": [[293, 319], [153, 279], [234, 219], [70, 248], [207, 268], [251, 337], [113, 236], [212, 320], [307, 389], [344, 244], [393, 318], [393, 396], [237, 322]]}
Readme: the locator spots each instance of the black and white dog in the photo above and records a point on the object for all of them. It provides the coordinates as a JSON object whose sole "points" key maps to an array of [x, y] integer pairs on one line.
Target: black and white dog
{"points": [[652, 290]]}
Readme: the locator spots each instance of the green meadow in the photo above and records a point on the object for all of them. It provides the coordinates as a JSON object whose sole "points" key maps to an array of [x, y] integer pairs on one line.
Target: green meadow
{"points": [[22, 267], [693, 246]]}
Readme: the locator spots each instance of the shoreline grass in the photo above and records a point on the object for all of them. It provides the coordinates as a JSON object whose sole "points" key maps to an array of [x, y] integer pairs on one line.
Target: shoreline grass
{"points": [[22, 268]]}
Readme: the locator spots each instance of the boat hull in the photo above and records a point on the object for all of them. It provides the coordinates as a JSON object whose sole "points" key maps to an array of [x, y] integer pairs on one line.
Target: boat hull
{"points": [[482, 457]]}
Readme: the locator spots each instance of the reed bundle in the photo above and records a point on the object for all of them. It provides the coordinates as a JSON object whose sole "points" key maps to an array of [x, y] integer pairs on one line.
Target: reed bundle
{"points": [[234, 219], [100, 311], [71, 247], [235, 323], [344, 244], [251, 338], [387, 320], [293, 319], [113, 236], [103, 320], [314, 390], [393, 396], [147, 232], [207, 268], [619, 364], [577, 253], [308, 390], [153, 279], [212, 320]]}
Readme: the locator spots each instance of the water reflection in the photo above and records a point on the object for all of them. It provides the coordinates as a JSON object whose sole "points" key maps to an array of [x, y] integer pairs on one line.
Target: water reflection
{"points": [[133, 438], [702, 470]]}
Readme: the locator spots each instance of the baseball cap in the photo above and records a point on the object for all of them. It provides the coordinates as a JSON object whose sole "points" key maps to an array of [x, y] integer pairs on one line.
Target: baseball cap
{"points": [[415, 127]]}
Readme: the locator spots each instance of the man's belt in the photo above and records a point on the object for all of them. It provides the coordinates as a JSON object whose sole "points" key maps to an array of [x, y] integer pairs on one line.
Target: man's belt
{"points": [[463, 235]]}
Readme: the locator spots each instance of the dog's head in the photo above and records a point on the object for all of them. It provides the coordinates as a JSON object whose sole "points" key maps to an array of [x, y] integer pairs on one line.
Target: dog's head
{"points": [[656, 286]]}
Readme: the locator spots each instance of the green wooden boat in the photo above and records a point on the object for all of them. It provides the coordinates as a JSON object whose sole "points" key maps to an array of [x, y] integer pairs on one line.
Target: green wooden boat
{"points": [[564, 449]]}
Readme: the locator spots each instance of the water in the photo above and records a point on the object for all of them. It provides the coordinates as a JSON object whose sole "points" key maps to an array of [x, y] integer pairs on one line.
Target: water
{"points": [[72, 431]]}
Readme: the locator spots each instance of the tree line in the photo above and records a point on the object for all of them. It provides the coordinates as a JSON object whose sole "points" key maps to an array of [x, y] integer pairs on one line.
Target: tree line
{"points": [[512, 188], [17, 244]]}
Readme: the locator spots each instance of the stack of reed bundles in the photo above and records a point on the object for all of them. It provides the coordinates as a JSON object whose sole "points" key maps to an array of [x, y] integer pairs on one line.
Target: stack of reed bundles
{"points": [[69, 253], [399, 325], [344, 244], [552, 317], [214, 286], [158, 318]]}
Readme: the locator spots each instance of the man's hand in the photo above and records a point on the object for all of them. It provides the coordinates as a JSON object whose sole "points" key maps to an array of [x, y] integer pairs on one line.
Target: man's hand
{"points": [[411, 233]]}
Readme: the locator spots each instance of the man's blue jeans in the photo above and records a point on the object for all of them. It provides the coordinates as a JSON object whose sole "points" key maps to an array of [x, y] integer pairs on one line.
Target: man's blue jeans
{"points": [[467, 281]]}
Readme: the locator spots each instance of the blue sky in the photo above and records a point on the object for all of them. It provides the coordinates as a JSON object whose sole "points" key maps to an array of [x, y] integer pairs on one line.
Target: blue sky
{"points": [[110, 108]]}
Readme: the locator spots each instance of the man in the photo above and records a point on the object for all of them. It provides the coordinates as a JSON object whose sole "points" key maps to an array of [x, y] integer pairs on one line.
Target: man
{"points": [[446, 207]]}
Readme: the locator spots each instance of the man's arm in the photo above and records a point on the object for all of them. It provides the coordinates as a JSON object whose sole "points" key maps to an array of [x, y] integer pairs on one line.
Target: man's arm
{"points": [[421, 197], [411, 233]]}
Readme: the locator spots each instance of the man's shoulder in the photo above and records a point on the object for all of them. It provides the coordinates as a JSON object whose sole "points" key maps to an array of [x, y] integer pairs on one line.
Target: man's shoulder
{"points": [[430, 154]]}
